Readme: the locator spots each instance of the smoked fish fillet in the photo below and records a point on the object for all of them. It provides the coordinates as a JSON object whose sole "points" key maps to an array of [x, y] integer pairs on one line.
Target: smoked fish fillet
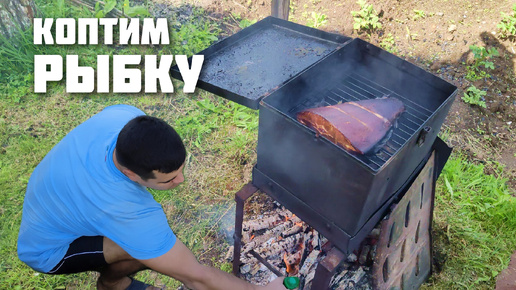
{"points": [[355, 126]]}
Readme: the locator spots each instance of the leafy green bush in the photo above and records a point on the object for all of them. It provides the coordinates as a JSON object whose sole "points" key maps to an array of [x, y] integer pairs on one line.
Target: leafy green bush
{"points": [[474, 96], [367, 18], [246, 22], [128, 10], [138, 10], [192, 38], [102, 12], [508, 24]]}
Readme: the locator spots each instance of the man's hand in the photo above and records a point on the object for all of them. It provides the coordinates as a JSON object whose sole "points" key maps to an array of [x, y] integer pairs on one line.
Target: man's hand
{"points": [[276, 284], [181, 264]]}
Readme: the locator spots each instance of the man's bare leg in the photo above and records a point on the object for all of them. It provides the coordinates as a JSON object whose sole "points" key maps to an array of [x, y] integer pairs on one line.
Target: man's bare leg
{"points": [[120, 265]]}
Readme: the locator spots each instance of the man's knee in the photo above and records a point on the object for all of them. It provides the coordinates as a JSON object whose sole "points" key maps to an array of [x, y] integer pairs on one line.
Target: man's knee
{"points": [[114, 253]]}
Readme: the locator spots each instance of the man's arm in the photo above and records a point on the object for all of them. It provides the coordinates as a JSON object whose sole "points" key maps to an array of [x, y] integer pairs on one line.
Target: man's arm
{"points": [[182, 265]]}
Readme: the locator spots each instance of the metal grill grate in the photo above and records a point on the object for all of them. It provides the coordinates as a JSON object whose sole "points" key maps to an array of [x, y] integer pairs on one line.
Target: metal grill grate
{"points": [[355, 88]]}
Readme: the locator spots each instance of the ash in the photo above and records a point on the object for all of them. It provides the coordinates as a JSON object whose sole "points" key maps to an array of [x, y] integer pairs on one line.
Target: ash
{"points": [[295, 249]]}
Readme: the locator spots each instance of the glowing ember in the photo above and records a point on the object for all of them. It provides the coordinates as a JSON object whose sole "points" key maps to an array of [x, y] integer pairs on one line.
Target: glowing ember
{"points": [[289, 268]]}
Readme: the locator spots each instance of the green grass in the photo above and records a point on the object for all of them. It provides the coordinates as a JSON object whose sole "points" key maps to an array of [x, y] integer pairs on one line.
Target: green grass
{"points": [[474, 226], [28, 131], [31, 124], [197, 209]]}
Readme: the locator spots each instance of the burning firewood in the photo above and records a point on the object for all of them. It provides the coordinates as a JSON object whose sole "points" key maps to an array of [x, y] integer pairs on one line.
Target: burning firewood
{"points": [[308, 279], [269, 236], [309, 262], [313, 241], [229, 254], [293, 258], [298, 227], [292, 262], [260, 224], [248, 260], [351, 279], [338, 279], [294, 248], [282, 245], [270, 222]]}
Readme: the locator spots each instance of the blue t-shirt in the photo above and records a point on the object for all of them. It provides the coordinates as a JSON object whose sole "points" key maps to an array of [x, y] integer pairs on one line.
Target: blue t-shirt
{"points": [[78, 191]]}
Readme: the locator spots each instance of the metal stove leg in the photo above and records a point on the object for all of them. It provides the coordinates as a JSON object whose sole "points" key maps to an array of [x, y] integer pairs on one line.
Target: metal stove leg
{"points": [[240, 198], [326, 269], [280, 8]]}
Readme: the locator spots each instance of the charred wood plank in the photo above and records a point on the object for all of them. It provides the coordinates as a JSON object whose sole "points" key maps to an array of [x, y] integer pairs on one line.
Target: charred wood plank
{"points": [[264, 262]]}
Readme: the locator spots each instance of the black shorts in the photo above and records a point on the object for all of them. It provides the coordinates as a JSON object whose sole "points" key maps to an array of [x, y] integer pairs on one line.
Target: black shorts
{"points": [[84, 254]]}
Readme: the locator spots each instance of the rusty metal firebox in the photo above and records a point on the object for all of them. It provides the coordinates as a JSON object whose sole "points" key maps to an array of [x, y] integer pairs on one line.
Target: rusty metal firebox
{"points": [[403, 257]]}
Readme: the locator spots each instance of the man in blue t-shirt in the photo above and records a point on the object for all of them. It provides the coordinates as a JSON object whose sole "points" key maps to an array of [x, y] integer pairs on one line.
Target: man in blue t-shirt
{"points": [[87, 207]]}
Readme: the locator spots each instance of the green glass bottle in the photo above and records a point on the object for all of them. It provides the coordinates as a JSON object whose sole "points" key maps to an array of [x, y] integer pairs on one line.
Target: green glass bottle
{"points": [[291, 282]]}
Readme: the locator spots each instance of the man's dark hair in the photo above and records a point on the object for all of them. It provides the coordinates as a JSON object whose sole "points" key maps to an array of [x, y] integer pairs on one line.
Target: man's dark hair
{"points": [[148, 143]]}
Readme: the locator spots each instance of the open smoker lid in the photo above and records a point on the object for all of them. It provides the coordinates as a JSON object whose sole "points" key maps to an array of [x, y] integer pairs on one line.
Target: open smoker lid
{"points": [[255, 61]]}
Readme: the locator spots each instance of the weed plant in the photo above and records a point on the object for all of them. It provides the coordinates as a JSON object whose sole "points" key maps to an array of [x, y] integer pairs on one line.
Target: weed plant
{"points": [[136, 10], [418, 14], [507, 25], [317, 20], [17, 52], [366, 19], [388, 43], [481, 57], [242, 22], [107, 7], [210, 115], [246, 23], [474, 96], [127, 9]]}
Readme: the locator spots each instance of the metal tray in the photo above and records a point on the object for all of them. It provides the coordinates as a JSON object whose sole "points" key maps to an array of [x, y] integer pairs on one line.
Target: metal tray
{"points": [[255, 61]]}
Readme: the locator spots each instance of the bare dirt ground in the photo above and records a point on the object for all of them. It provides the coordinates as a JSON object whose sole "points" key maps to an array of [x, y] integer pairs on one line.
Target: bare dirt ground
{"points": [[438, 41]]}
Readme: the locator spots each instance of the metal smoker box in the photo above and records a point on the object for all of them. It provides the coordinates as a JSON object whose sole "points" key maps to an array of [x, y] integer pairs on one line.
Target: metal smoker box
{"points": [[345, 191]]}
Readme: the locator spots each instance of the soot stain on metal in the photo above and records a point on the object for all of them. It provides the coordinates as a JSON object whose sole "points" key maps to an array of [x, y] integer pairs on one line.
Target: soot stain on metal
{"points": [[263, 61]]}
